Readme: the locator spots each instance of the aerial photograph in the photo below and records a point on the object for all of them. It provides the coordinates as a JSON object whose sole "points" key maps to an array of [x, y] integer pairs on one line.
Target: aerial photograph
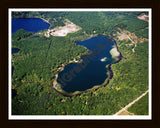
{"points": [[79, 62]]}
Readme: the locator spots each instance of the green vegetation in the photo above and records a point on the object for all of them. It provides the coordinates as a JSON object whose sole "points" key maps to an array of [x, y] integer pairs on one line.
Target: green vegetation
{"points": [[39, 58], [43, 56], [21, 34], [140, 107]]}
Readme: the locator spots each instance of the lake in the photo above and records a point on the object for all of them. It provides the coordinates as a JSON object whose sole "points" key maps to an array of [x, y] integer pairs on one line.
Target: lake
{"points": [[29, 24], [92, 70]]}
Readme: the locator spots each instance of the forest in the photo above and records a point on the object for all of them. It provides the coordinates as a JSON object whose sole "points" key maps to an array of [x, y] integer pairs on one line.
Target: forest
{"points": [[38, 60]]}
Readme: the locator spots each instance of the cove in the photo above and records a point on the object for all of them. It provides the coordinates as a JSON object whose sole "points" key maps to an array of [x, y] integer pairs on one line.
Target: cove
{"points": [[92, 71]]}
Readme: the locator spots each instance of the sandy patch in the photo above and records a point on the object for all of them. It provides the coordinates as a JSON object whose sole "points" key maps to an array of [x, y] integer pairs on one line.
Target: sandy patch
{"points": [[143, 17], [125, 112], [104, 59], [114, 52], [63, 30]]}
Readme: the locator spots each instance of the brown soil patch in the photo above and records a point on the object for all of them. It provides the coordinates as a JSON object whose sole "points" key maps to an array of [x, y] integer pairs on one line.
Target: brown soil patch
{"points": [[63, 30], [143, 17], [126, 35]]}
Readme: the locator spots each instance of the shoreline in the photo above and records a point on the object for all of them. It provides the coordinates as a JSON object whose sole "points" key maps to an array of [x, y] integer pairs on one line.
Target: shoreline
{"points": [[47, 21], [96, 87], [16, 48]]}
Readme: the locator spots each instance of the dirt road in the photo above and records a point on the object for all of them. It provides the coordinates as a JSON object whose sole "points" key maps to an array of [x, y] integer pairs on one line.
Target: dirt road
{"points": [[126, 107]]}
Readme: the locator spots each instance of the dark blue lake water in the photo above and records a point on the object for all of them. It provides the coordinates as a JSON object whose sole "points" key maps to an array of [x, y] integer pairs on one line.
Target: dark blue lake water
{"points": [[92, 71], [15, 50], [29, 24]]}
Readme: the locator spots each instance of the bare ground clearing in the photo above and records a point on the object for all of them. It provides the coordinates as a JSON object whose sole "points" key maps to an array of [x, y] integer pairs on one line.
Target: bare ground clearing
{"points": [[126, 35], [143, 17], [63, 30]]}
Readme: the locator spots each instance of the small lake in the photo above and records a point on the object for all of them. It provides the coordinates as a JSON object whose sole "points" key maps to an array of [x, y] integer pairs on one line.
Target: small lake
{"points": [[92, 70], [29, 24]]}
